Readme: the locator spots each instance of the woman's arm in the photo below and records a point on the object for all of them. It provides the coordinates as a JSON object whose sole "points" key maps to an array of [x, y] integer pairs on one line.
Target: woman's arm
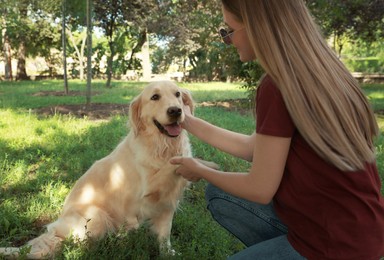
{"points": [[260, 184], [236, 144]]}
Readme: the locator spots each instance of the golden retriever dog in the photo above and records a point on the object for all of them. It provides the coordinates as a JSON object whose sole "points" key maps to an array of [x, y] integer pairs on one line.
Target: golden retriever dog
{"points": [[133, 184]]}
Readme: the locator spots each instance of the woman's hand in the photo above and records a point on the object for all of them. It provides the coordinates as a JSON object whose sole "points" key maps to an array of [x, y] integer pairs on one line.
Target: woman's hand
{"points": [[187, 110], [188, 116], [189, 168]]}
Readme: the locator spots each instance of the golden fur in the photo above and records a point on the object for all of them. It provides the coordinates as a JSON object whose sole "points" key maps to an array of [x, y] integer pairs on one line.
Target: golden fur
{"points": [[133, 184]]}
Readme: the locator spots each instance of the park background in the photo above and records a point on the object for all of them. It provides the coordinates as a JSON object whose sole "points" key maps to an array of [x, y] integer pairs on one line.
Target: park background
{"points": [[69, 69]]}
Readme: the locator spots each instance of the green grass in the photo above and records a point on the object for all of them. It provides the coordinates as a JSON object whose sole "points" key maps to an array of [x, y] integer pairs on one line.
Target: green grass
{"points": [[42, 157]]}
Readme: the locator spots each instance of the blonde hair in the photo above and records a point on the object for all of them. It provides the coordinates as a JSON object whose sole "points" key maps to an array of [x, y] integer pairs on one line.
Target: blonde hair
{"points": [[325, 102]]}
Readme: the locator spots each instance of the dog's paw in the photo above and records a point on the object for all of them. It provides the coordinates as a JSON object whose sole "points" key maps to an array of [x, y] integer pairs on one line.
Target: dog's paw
{"points": [[210, 164], [168, 251], [171, 252], [10, 252]]}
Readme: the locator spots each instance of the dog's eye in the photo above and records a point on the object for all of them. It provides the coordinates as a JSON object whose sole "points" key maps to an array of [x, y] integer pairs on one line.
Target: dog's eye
{"points": [[155, 97], [178, 94]]}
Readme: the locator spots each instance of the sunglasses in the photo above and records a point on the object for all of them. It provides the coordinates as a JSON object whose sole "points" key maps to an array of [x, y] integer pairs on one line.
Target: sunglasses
{"points": [[226, 35]]}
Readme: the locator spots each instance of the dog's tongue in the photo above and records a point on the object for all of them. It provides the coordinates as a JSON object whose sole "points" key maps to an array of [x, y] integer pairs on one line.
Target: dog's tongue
{"points": [[173, 129]]}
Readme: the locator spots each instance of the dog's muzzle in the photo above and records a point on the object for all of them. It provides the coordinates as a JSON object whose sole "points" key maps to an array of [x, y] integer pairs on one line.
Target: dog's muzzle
{"points": [[174, 129]]}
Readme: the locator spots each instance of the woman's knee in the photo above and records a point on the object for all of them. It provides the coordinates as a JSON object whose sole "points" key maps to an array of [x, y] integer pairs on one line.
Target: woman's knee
{"points": [[212, 192], [250, 222]]}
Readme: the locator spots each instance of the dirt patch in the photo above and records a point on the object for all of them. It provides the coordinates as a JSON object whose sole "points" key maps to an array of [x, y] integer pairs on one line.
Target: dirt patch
{"points": [[62, 93], [243, 106], [379, 112], [95, 111], [98, 111]]}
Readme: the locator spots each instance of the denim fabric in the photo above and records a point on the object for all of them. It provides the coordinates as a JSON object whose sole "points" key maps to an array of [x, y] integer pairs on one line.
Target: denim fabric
{"points": [[256, 225]]}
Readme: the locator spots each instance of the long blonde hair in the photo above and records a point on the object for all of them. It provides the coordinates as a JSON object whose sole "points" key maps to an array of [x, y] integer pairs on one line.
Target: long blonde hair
{"points": [[325, 102]]}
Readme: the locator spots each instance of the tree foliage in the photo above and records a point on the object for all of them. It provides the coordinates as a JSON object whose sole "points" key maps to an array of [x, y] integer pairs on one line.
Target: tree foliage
{"points": [[120, 19], [183, 34], [349, 19], [189, 30]]}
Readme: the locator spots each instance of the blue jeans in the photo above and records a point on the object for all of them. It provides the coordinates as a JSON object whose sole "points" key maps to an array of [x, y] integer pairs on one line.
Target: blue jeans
{"points": [[256, 225]]}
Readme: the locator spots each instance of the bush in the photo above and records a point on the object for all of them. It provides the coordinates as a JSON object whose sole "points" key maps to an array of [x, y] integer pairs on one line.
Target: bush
{"points": [[251, 74], [367, 65]]}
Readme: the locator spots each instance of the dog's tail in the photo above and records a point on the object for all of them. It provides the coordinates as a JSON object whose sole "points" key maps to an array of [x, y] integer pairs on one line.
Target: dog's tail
{"points": [[43, 246]]}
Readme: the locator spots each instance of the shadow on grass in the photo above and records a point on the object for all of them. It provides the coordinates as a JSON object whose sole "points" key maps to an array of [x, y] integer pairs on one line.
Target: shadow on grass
{"points": [[30, 174], [37, 177], [33, 95]]}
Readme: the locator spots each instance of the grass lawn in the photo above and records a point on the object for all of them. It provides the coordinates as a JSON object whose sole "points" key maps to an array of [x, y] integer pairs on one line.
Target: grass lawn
{"points": [[41, 158]]}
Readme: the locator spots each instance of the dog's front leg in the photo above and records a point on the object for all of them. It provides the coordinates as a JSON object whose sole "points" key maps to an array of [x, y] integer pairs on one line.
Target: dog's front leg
{"points": [[161, 226], [162, 183], [131, 222]]}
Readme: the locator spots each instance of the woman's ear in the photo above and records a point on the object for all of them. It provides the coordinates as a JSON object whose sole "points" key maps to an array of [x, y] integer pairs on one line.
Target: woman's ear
{"points": [[135, 121], [187, 99]]}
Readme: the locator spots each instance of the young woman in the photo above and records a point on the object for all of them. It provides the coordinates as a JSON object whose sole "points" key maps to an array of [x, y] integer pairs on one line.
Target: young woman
{"points": [[313, 191]]}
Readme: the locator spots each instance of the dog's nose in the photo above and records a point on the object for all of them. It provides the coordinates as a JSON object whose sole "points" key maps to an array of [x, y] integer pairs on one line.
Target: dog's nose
{"points": [[174, 112]]}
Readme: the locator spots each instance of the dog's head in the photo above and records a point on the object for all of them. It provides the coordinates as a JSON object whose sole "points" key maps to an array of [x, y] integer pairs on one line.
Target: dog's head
{"points": [[160, 107]]}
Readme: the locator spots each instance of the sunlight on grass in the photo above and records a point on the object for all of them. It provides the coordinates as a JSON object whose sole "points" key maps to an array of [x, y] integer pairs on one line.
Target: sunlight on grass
{"points": [[215, 91], [380, 150], [380, 122], [48, 201], [16, 173], [377, 100], [376, 95], [42, 157], [212, 86], [40, 160], [22, 130]]}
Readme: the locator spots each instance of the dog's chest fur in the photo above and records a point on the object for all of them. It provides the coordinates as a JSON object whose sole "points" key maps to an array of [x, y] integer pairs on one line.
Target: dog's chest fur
{"points": [[159, 186]]}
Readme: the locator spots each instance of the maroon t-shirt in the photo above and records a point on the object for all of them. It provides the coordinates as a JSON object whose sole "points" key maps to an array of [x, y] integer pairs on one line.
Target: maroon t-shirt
{"points": [[330, 214]]}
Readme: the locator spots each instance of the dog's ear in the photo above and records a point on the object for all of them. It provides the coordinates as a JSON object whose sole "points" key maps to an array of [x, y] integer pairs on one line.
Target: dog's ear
{"points": [[135, 121], [187, 99]]}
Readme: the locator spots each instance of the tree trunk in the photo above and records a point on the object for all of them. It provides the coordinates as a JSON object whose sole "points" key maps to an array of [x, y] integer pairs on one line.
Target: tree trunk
{"points": [[21, 64], [146, 62], [110, 64], [64, 45], [6, 47], [21, 53], [7, 58], [89, 52], [142, 39], [81, 57], [79, 52]]}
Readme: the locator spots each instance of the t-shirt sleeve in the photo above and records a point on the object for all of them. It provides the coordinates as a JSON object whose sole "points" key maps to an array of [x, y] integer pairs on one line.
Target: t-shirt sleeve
{"points": [[272, 116]]}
